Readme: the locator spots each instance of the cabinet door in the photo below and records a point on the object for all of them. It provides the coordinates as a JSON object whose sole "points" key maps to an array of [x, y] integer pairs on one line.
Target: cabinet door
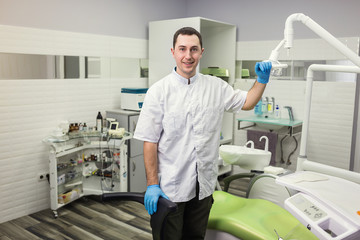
{"points": [[136, 146], [137, 181]]}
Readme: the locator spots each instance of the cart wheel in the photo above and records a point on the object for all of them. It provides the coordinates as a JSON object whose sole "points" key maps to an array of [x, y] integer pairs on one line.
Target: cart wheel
{"points": [[55, 214]]}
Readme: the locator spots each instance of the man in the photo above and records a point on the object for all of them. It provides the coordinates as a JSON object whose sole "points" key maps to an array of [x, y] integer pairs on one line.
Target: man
{"points": [[180, 125]]}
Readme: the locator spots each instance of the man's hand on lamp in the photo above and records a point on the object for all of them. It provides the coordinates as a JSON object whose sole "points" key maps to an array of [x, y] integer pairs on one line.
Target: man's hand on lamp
{"points": [[153, 192], [262, 70]]}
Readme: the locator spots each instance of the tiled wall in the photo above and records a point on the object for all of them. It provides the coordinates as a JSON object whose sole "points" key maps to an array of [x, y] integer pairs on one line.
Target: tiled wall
{"points": [[331, 118], [31, 109]]}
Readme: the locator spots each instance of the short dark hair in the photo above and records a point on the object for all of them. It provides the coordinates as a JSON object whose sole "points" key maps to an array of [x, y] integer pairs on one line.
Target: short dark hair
{"points": [[187, 31]]}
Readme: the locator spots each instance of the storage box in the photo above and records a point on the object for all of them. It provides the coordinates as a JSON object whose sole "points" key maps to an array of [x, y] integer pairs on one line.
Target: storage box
{"points": [[69, 196], [132, 98]]}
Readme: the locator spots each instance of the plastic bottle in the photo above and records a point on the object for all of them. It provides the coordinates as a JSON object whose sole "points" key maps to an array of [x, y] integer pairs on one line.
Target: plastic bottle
{"points": [[258, 108], [99, 122], [277, 112], [270, 105], [264, 106]]}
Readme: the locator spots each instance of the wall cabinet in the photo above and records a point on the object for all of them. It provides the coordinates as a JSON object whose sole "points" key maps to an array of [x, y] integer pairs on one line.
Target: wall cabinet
{"points": [[219, 42], [86, 164]]}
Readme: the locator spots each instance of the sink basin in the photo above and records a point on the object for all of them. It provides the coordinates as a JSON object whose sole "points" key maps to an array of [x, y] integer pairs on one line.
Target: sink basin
{"points": [[246, 158]]}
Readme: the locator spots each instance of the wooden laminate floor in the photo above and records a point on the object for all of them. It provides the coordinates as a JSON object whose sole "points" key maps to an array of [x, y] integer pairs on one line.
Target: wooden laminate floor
{"points": [[88, 218]]}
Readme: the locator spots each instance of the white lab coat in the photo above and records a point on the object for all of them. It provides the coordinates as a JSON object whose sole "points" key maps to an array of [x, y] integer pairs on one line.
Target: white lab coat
{"points": [[185, 120]]}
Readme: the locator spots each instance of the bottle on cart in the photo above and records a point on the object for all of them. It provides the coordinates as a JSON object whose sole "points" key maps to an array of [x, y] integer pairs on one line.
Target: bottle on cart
{"points": [[99, 122]]}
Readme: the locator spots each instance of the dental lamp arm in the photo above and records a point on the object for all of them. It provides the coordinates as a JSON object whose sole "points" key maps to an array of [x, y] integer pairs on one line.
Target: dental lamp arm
{"points": [[316, 28], [274, 56]]}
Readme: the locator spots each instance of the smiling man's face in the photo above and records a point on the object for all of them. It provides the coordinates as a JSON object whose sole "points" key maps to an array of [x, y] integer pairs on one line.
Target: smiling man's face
{"points": [[187, 54]]}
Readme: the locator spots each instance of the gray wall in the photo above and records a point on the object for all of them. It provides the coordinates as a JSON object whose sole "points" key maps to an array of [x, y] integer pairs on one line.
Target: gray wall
{"points": [[265, 19], [125, 18], [256, 20]]}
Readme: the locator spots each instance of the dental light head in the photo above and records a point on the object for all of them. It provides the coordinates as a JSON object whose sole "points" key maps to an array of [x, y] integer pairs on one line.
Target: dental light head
{"points": [[276, 69]]}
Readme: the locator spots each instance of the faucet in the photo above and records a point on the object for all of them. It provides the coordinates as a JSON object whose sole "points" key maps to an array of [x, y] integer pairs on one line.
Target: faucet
{"points": [[251, 144], [291, 115], [266, 142]]}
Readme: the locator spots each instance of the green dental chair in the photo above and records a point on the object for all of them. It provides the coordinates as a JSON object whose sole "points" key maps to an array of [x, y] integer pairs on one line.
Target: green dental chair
{"points": [[233, 217]]}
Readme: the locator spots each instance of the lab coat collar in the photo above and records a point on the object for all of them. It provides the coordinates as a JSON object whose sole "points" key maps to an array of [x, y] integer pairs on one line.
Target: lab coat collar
{"points": [[185, 80]]}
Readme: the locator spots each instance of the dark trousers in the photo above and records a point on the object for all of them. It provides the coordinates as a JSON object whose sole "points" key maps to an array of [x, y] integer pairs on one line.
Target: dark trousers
{"points": [[190, 220]]}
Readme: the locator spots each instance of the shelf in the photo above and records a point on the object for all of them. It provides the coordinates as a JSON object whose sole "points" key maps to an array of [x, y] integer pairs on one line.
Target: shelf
{"points": [[69, 144], [81, 135], [284, 126], [272, 121], [67, 185]]}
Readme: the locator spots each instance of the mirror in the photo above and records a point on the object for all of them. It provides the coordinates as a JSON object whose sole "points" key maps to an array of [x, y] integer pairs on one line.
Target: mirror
{"points": [[33, 66]]}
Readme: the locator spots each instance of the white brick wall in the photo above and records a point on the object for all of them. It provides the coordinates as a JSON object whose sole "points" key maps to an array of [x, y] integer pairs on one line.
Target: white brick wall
{"points": [[31, 109], [331, 118]]}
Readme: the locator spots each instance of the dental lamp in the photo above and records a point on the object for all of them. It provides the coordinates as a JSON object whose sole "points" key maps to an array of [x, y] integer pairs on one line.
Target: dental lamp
{"points": [[303, 163]]}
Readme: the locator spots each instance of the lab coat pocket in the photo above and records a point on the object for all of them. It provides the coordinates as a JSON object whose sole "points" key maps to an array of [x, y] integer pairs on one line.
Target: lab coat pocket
{"points": [[212, 119], [174, 124]]}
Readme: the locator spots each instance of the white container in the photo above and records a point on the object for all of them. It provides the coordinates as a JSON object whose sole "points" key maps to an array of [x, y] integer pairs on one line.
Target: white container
{"points": [[132, 98]]}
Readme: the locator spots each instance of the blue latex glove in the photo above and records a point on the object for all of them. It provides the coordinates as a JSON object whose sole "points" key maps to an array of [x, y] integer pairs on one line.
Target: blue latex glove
{"points": [[153, 192], [262, 70]]}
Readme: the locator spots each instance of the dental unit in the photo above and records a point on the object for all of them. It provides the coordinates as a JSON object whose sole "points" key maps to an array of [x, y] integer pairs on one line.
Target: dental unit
{"points": [[334, 193], [326, 202], [287, 43]]}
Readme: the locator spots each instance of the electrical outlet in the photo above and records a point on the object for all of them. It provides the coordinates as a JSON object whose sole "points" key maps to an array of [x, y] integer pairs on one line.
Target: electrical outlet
{"points": [[42, 176]]}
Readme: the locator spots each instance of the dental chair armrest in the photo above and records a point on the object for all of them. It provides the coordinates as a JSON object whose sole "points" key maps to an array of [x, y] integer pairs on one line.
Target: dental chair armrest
{"points": [[124, 196], [165, 207], [231, 178], [158, 219]]}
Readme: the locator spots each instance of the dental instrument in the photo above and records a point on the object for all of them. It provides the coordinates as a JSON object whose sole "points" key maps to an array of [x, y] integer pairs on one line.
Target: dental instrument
{"points": [[328, 198]]}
